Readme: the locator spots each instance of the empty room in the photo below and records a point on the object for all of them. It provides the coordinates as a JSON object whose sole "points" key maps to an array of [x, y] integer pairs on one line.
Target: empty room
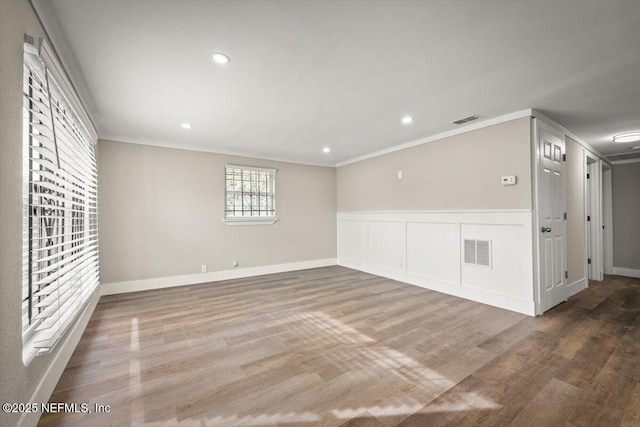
{"points": [[319, 213]]}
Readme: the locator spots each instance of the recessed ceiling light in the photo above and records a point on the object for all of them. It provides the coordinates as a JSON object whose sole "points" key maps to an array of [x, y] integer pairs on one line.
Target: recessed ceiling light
{"points": [[627, 137], [407, 120], [221, 58], [186, 126], [326, 150]]}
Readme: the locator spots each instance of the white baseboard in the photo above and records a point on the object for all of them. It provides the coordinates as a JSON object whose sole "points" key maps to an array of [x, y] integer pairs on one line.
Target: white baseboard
{"points": [[629, 272], [214, 276], [577, 286], [427, 249], [52, 375], [473, 294]]}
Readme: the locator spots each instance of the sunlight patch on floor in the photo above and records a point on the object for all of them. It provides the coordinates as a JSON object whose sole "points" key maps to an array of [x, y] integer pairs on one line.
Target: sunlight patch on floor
{"points": [[377, 411], [135, 339], [379, 360], [391, 383], [263, 419], [318, 325], [135, 380]]}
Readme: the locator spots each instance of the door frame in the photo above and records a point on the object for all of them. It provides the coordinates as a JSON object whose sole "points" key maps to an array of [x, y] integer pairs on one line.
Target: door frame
{"points": [[593, 225], [607, 218], [536, 165]]}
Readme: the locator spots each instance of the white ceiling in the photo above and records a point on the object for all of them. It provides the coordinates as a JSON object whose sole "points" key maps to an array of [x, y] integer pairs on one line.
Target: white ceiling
{"points": [[309, 74]]}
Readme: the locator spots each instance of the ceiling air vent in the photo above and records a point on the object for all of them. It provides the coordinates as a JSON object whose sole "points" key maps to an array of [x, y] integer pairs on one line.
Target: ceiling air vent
{"points": [[467, 119]]}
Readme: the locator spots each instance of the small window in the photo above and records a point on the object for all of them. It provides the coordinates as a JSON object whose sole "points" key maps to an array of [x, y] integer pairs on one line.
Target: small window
{"points": [[250, 195]]}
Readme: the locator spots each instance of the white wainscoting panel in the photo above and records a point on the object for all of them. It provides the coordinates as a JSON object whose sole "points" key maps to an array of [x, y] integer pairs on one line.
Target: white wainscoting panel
{"points": [[432, 251], [387, 244], [353, 235], [504, 275], [425, 249]]}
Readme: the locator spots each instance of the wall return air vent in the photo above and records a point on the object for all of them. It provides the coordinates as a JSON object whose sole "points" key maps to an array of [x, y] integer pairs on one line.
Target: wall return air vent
{"points": [[477, 252], [467, 119]]}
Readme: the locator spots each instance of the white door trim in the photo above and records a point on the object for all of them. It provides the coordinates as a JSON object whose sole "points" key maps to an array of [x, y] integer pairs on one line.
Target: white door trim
{"points": [[607, 219], [594, 225], [586, 196], [535, 160]]}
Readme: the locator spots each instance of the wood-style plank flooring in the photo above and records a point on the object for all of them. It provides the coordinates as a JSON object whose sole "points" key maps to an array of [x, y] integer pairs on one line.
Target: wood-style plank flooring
{"points": [[337, 347]]}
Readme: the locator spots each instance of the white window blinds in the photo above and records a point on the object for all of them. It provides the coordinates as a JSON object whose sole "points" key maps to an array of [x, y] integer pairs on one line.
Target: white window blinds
{"points": [[60, 250]]}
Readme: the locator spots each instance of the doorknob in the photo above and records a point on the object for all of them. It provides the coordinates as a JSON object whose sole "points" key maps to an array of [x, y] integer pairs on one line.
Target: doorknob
{"points": [[546, 229]]}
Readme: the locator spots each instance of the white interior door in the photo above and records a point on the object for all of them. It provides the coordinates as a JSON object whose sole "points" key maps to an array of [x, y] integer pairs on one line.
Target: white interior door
{"points": [[551, 222]]}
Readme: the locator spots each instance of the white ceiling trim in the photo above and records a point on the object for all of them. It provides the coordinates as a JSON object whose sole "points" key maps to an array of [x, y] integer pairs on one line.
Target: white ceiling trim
{"points": [[529, 112], [181, 146], [468, 128], [622, 162]]}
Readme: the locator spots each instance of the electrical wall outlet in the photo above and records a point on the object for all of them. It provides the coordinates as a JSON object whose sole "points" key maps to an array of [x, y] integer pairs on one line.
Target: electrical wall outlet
{"points": [[204, 268]]}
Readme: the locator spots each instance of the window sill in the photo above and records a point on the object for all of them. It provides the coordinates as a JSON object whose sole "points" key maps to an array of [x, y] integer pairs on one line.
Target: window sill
{"points": [[250, 221]]}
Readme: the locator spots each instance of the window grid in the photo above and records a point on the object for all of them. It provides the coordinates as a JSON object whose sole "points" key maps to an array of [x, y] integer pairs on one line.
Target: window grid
{"points": [[250, 192]]}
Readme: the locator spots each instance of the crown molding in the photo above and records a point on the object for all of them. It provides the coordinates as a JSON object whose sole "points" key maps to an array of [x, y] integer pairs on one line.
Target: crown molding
{"points": [[199, 148], [442, 135]]}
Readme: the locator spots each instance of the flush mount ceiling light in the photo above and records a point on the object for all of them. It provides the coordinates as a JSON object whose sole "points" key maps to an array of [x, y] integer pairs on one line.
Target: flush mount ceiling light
{"points": [[627, 137], [186, 126], [326, 150], [407, 120], [221, 58]]}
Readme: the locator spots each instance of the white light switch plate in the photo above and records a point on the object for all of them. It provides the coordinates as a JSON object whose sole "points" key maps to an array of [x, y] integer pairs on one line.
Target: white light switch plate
{"points": [[509, 180]]}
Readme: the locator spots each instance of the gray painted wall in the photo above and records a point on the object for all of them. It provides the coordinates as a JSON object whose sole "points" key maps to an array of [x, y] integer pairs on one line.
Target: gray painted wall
{"points": [[161, 214], [456, 173], [626, 215]]}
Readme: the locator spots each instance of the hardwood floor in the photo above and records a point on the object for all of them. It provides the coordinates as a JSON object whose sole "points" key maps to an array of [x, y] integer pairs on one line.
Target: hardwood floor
{"points": [[337, 347]]}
